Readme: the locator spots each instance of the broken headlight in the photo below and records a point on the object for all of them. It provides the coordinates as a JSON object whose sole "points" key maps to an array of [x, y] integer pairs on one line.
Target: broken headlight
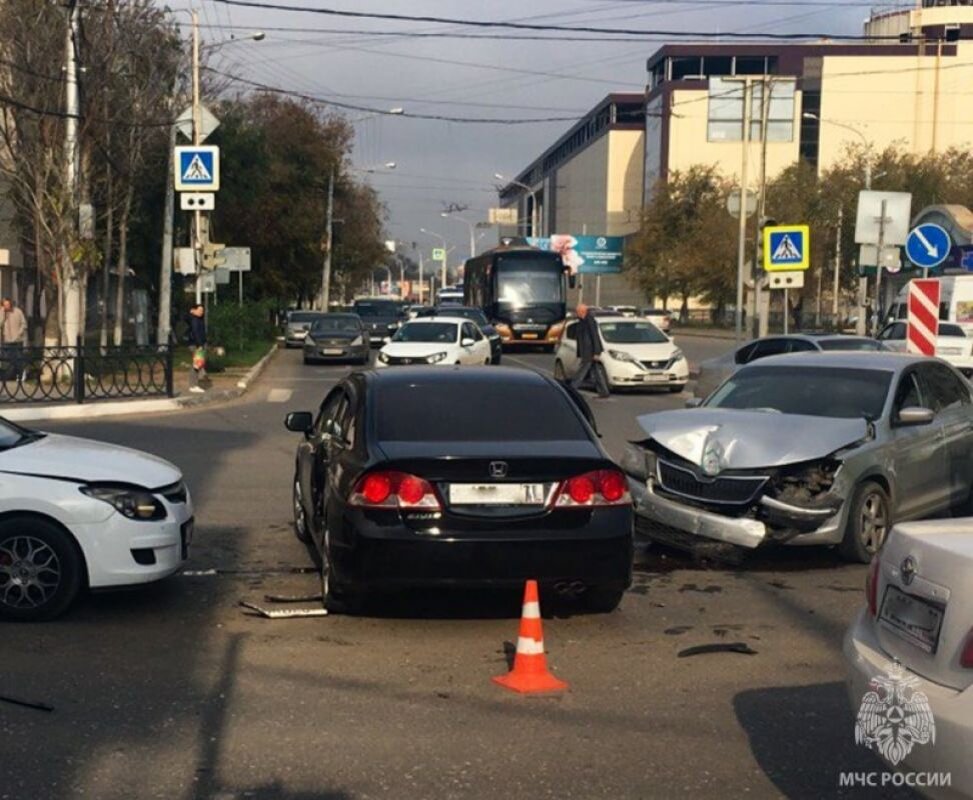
{"points": [[638, 462], [804, 484]]}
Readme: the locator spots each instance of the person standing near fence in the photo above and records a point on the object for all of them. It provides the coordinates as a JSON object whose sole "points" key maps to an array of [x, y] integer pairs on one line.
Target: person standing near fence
{"points": [[13, 336], [197, 346]]}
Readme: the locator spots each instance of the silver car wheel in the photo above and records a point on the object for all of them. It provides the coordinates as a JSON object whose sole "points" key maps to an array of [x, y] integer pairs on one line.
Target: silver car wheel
{"points": [[874, 522], [30, 572]]}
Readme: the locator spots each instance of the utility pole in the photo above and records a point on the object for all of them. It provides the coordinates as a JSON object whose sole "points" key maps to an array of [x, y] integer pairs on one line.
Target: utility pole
{"points": [[837, 271], [742, 244], [328, 241], [165, 271], [759, 322], [71, 306], [878, 270], [197, 139], [420, 278]]}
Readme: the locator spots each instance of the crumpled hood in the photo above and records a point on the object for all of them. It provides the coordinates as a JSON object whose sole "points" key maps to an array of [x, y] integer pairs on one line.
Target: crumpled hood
{"points": [[750, 439], [86, 460]]}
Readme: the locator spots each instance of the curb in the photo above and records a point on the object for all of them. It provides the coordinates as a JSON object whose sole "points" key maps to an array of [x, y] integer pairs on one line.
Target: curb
{"points": [[129, 407]]}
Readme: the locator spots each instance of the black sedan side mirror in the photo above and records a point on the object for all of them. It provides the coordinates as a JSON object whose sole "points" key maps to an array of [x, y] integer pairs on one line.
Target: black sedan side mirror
{"points": [[914, 415], [299, 421]]}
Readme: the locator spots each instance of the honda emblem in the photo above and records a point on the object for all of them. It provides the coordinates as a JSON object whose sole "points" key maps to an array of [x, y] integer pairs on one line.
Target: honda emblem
{"points": [[498, 469]]}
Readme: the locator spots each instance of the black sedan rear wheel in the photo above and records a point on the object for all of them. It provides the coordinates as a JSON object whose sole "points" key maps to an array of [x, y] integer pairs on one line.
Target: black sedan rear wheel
{"points": [[337, 597], [300, 515], [41, 570]]}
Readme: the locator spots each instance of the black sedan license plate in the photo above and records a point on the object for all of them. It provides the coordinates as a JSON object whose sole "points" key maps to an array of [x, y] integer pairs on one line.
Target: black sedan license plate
{"points": [[914, 619]]}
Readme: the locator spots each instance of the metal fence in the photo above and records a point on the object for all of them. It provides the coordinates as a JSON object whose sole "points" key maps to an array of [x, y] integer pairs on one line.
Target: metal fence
{"points": [[84, 373]]}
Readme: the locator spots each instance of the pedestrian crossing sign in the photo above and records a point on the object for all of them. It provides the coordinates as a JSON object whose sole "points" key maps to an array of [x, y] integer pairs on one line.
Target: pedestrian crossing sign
{"points": [[197, 168], [786, 248]]}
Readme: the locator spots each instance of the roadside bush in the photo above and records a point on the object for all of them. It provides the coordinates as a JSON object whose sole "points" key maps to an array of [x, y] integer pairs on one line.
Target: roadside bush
{"points": [[240, 328]]}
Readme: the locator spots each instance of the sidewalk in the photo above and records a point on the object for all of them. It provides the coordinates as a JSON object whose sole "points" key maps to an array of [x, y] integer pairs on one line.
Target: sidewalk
{"points": [[219, 387]]}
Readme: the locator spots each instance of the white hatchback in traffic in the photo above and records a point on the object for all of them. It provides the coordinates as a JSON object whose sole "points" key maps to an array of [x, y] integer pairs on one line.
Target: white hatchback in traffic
{"points": [[76, 514], [910, 655], [436, 340], [636, 353]]}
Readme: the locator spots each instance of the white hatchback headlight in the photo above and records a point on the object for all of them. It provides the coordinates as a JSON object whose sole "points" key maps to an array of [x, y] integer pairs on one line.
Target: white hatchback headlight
{"points": [[620, 355], [128, 501], [435, 358], [383, 357], [677, 355]]}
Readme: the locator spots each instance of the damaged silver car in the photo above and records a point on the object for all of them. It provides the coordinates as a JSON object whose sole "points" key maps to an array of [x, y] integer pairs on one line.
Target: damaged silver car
{"points": [[808, 449]]}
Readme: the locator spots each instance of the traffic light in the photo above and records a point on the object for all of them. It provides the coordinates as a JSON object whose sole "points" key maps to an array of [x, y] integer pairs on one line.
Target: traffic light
{"points": [[213, 255], [763, 223]]}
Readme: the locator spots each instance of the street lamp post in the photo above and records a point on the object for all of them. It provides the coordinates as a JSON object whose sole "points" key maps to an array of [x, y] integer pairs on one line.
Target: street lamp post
{"points": [[469, 224], [860, 325], [533, 203]]}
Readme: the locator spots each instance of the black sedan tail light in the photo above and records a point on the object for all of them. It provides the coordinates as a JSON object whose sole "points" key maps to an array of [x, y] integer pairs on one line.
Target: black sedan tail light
{"points": [[389, 489], [605, 487]]}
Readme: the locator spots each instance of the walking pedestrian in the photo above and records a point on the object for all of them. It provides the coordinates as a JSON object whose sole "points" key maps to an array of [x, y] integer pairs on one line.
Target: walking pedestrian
{"points": [[590, 349], [13, 336], [196, 319]]}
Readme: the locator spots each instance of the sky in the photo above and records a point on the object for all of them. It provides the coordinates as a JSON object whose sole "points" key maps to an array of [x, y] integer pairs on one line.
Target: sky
{"points": [[439, 163]]}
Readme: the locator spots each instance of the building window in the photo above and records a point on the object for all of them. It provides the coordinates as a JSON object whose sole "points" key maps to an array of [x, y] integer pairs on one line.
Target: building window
{"points": [[726, 111]]}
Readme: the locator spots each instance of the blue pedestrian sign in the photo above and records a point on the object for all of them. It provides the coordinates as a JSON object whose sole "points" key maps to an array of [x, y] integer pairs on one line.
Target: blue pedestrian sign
{"points": [[197, 168], [786, 248], [928, 245]]}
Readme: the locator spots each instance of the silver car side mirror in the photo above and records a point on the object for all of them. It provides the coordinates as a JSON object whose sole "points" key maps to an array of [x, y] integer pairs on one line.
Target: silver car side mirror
{"points": [[694, 402], [914, 415]]}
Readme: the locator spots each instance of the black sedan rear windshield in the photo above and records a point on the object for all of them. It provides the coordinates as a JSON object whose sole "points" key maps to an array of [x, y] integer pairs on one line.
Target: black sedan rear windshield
{"points": [[377, 308], [814, 391], [427, 410]]}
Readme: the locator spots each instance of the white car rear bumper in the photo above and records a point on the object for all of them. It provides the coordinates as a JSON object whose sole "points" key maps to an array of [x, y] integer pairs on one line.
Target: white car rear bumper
{"points": [[952, 711]]}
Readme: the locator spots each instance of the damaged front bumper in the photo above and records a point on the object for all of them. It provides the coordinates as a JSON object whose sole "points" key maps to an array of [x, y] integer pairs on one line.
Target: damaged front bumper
{"points": [[780, 522]]}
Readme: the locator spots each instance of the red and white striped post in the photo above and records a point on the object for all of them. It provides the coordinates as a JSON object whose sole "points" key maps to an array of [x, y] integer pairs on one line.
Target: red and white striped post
{"points": [[923, 323]]}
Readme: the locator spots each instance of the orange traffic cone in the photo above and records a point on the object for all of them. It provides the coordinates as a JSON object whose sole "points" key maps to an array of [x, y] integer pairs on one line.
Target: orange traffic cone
{"points": [[530, 674]]}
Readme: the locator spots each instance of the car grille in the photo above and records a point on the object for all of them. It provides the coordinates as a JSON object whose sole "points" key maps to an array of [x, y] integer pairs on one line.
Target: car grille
{"points": [[658, 364], [724, 490], [174, 493], [405, 360]]}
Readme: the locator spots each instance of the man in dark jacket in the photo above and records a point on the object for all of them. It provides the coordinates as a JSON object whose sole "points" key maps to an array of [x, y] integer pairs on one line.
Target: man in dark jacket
{"points": [[197, 345], [589, 352]]}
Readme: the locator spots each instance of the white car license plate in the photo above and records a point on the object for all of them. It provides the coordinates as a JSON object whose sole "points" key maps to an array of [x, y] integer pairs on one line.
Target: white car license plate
{"points": [[914, 619], [497, 494], [332, 351]]}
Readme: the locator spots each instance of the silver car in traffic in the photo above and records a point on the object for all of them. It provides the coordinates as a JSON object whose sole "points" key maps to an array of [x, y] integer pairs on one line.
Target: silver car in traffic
{"points": [[811, 448]]}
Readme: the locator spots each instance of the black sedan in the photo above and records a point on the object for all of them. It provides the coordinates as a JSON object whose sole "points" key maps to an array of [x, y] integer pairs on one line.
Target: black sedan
{"points": [[337, 337], [477, 316], [380, 316], [463, 476]]}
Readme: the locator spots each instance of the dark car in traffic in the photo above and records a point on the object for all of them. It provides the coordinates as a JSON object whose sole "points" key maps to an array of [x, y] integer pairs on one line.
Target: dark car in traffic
{"points": [[337, 337], [412, 477], [297, 325], [381, 317], [473, 314]]}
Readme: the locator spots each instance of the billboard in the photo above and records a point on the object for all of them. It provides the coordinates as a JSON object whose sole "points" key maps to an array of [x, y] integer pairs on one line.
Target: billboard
{"points": [[587, 255]]}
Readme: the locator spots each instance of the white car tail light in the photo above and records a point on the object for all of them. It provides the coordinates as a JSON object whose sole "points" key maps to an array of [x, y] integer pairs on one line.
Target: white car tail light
{"points": [[606, 487], [966, 654], [871, 586], [389, 489]]}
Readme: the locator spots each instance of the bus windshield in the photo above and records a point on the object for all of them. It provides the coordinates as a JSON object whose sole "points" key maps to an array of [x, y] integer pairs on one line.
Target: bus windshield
{"points": [[528, 281]]}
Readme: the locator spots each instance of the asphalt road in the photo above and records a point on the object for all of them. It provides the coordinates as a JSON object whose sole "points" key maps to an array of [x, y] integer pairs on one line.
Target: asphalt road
{"points": [[172, 691]]}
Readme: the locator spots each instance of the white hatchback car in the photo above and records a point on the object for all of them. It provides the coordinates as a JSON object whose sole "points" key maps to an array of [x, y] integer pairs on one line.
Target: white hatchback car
{"points": [[78, 514], [636, 353], [436, 340], [910, 654]]}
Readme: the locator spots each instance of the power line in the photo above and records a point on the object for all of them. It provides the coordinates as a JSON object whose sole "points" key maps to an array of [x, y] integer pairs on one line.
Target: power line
{"points": [[474, 23], [383, 111]]}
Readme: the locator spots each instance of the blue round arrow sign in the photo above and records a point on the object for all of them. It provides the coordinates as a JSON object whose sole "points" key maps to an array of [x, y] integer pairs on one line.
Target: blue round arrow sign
{"points": [[928, 245]]}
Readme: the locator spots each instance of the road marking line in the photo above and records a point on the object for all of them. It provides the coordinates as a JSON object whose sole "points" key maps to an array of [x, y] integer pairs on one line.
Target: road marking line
{"points": [[528, 365], [279, 395]]}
